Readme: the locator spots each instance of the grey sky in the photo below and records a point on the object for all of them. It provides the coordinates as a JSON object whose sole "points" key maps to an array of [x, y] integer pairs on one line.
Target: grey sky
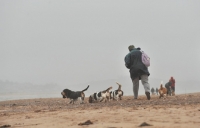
{"points": [[70, 41]]}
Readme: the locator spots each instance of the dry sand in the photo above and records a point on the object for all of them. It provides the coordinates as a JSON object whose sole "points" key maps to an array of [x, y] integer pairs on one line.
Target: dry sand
{"points": [[180, 111]]}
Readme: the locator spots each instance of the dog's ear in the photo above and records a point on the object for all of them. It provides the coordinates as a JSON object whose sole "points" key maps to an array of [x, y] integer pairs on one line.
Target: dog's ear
{"points": [[63, 94], [67, 92], [99, 94]]}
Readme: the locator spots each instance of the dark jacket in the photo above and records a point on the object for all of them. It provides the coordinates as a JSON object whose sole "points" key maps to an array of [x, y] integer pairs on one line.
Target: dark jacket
{"points": [[168, 84], [133, 61]]}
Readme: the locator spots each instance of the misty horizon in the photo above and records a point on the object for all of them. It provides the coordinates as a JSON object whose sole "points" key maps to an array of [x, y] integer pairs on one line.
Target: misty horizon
{"points": [[52, 90]]}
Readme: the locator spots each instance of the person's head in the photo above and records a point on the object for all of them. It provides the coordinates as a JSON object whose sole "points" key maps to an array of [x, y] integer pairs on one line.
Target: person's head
{"points": [[131, 47], [171, 77]]}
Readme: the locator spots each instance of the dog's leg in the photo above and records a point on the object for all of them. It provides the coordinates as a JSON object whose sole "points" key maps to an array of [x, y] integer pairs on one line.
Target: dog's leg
{"points": [[70, 101], [114, 96], [107, 98], [164, 96], [102, 99], [74, 100], [117, 97], [83, 98], [120, 97], [81, 101]]}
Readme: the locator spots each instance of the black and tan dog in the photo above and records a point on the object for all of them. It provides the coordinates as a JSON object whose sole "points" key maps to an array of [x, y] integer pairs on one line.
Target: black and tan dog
{"points": [[117, 94], [73, 96], [100, 96]]}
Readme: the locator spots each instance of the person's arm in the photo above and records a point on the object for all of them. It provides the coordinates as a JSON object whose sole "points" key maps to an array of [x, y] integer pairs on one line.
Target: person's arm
{"points": [[127, 60]]}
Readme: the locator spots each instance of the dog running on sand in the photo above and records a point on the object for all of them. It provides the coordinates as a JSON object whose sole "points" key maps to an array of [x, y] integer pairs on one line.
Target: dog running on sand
{"points": [[162, 90], [117, 94], [100, 96], [74, 95]]}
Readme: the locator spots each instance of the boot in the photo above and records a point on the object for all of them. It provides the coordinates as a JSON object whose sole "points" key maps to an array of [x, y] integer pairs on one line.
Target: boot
{"points": [[148, 95]]}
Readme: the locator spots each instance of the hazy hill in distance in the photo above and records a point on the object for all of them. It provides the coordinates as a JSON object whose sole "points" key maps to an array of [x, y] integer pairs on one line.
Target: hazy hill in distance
{"points": [[13, 90]]}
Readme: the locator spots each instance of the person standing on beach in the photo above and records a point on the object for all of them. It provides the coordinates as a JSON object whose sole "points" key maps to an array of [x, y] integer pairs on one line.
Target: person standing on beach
{"points": [[172, 80], [157, 91], [168, 87], [152, 91], [138, 71]]}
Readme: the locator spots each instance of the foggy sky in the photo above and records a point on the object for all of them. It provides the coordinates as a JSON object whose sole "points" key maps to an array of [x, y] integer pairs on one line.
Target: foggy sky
{"points": [[71, 42]]}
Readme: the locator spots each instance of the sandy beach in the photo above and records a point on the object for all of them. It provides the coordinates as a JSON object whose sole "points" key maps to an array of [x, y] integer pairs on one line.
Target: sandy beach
{"points": [[180, 111]]}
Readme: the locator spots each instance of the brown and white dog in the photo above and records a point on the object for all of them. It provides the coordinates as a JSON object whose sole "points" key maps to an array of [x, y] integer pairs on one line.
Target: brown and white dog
{"points": [[100, 96], [117, 94], [162, 91], [73, 96]]}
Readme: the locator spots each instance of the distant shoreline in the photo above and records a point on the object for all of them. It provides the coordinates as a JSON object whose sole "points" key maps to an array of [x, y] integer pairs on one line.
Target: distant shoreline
{"points": [[58, 97]]}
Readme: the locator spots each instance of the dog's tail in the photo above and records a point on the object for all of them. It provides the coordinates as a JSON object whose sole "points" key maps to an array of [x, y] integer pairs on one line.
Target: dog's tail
{"points": [[86, 88], [107, 90], [120, 86]]}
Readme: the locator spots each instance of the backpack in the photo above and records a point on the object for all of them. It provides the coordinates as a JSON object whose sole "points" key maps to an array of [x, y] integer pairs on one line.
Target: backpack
{"points": [[145, 59]]}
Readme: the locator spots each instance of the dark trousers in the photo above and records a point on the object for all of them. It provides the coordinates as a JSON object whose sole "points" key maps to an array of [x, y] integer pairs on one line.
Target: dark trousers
{"points": [[173, 88]]}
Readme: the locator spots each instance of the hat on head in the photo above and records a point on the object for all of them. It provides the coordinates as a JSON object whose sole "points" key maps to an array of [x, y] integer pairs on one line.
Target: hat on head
{"points": [[131, 47]]}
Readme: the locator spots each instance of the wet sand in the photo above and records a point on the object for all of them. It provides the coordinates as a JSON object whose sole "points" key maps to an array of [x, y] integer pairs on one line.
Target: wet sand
{"points": [[180, 111]]}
